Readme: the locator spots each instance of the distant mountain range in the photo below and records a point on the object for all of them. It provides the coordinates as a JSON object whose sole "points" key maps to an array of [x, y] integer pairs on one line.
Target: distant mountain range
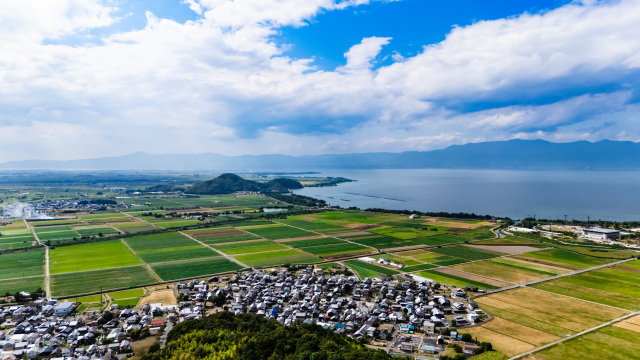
{"points": [[512, 154]]}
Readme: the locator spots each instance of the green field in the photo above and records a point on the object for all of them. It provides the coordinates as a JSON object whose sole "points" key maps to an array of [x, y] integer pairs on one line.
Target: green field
{"points": [[58, 235], [418, 267], [609, 342], [299, 244], [22, 263], [126, 294], [317, 226], [16, 239], [466, 252], [127, 302], [452, 280], [277, 258], [100, 280], [48, 229], [327, 266], [190, 269], [365, 269], [564, 258], [441, 239], [168, 247], [383, 242], [275, 232], [90, 256], [93, 230], [249, 247], [25, 284], [509, 270], [221, 235], [336, 249], [409, 230], [89, 299], [617, 286], [176, 223]]}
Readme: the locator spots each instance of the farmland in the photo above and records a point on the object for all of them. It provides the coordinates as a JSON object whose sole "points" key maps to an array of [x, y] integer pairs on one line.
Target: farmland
{"points": [[509, 270], [275, 232], [100, 280], [249, 247], [276, 257], [187, 269], [465, 252], [336, 249], [453, 280], [554, 315], [169, 246], [615, 286], [91, 256], [221, 235], [22, 263], [610, 342], [365, 269], [13, 286], [564, 258]]}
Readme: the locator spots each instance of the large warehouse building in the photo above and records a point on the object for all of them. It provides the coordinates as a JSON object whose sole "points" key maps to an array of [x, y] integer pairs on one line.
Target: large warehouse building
{"points": [[600, 234]]}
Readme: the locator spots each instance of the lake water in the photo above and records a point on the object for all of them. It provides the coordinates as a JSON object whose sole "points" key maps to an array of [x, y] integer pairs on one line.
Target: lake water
{"points": [[610, 195]]}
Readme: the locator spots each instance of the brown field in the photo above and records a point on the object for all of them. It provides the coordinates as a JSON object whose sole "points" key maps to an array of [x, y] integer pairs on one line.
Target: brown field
{"points": [[302, 238], [560, 270], [473, 277], [163, 296], [453, 224], [520, 332], [632, 324], [360, 226], [548, 312], [511, 250], [505, 344], [458, 230]]}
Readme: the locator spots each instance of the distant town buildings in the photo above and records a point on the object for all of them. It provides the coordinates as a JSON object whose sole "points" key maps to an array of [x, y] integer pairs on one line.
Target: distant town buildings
{"points": [[600, 234]]}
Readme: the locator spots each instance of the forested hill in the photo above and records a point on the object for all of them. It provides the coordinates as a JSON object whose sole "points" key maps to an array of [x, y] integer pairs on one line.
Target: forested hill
{"points": [[252, 337], [230, 183]]}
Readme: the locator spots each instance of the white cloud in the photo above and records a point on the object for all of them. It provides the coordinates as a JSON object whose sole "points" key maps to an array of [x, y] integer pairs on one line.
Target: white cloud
{"points": [[220, 83]]}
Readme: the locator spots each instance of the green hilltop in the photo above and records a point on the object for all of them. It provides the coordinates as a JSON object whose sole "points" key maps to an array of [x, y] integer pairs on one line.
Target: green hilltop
{"points": [[230, 183]]}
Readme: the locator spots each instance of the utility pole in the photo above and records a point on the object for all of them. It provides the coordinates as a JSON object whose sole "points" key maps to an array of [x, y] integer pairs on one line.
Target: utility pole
{"points": [[588, 220], [565, 219]]}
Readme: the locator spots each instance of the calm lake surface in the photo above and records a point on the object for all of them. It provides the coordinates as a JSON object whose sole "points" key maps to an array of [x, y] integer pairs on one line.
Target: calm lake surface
{"points": [[610, 195]]}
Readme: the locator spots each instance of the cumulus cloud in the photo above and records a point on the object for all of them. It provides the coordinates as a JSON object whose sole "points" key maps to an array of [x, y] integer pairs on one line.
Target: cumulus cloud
{"points": [[221, 83]]}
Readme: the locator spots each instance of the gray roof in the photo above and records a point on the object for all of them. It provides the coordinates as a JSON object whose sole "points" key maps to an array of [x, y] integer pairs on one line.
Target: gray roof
{"points": [[602, 231]]}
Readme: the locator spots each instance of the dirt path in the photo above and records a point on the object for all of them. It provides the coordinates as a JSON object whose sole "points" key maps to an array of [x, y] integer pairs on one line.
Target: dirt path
{"points": [[142, 261], [47, 274]]}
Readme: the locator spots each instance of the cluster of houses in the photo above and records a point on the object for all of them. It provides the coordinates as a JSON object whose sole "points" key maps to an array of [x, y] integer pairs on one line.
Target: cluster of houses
{"points": [[47, 328], [378, 308]]}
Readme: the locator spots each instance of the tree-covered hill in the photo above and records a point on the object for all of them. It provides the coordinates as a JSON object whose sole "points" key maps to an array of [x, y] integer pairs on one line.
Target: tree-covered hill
{"points": [[230, 183], [252, 337]]}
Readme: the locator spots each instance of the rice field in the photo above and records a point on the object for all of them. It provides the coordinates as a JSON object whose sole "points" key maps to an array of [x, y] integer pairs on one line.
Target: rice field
{"points": [[197, 268], [466, 252], [22, 263], [126, 294], [275, 232], [221, 235], [13, 286], [564, 258], [617, 286], [336, 249], [509, 270], [365, 269], [277, 258], [90, 256], [84, 282], [249, 247], [455, 281], [169, 246]]}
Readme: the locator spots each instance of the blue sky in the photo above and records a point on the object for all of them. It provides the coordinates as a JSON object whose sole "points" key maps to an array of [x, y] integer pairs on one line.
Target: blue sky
{"points": [[88, 78]]}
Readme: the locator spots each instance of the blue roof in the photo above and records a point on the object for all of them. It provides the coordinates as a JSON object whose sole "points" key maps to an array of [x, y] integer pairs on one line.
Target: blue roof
{"points": [[338, 325]]}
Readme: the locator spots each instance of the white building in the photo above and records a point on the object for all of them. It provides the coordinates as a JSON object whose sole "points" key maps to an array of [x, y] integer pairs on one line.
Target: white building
{"points": [[600, 234]]}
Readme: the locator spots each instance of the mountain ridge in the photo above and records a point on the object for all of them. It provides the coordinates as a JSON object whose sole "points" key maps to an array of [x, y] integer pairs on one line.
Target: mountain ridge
{"points": [[512, 154]]}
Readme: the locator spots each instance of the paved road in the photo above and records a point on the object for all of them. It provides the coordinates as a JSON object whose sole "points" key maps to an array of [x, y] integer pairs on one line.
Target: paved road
{"points": [[167, 329]]}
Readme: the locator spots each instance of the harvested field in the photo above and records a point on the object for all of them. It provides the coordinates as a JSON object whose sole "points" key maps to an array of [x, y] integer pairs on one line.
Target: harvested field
{"points": [[511, 250], [473, 277], [520, 332], [164, 297], [610, 342], [554, 314], [632, 324], [501, 342], [508, 270], [615, 286]]}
